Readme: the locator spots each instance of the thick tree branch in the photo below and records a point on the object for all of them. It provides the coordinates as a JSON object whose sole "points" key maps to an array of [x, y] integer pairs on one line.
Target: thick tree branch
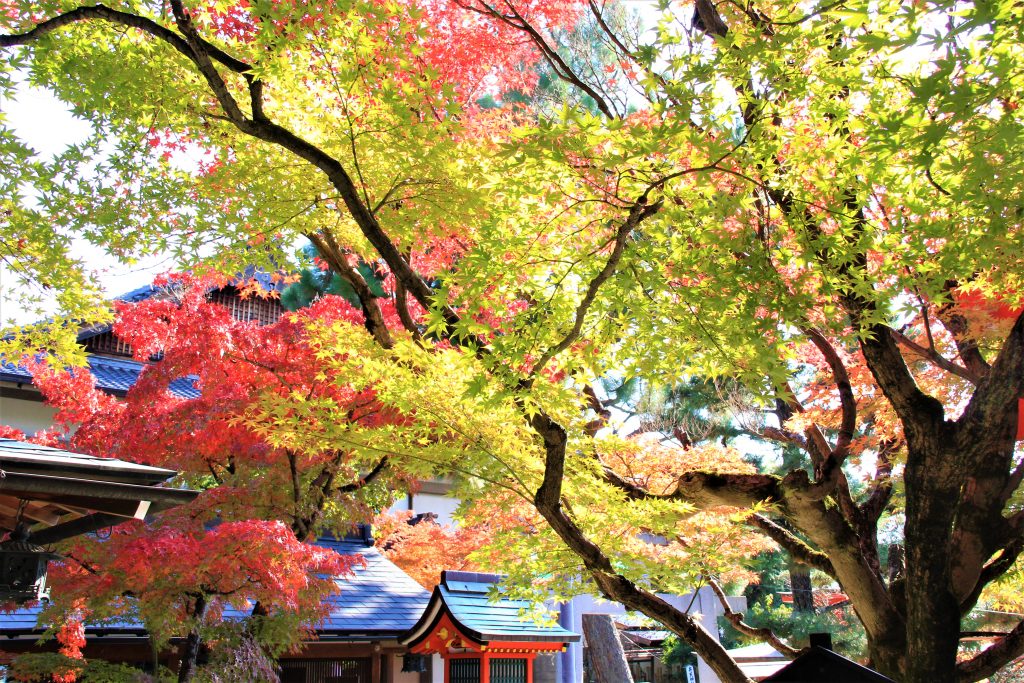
{"points": [[708, 489], [847, 400], [550, 54], [792, 544], [958, 326], [595, 404], [637, 213], [814, 441], [707, 19], [993, 570], [994, 405], [988, 428], [402, 306], [1013, 482], [104, 13], [872, 508], [335, 256], [993, 658], [921, 414], [204, 63]]}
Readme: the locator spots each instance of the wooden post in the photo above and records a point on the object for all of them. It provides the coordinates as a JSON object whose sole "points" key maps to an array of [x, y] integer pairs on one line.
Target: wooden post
{"points": [[607, 658], [529, 667], [447, 669], [485, 667], [375, 667]]}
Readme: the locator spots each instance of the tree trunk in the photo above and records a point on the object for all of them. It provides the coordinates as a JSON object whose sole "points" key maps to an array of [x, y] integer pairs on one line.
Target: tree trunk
{"points": [[190, 649], [933, 612], [607, 658], [155, 654], [800, 583], [897, 562]]}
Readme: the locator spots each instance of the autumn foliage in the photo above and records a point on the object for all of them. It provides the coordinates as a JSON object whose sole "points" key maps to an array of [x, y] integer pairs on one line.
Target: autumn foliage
{"points": [[425, 549], [815, 207], [245, 541]]}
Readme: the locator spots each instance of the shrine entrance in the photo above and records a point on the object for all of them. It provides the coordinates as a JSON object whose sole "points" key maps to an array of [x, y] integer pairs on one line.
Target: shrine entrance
{"points": [[482, 639], [500, 670]]}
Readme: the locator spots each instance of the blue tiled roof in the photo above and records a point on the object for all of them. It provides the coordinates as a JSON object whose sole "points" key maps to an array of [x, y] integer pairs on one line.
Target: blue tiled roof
{"points": [[113, 375], [133, 297], [467, 597], [117, 375], [266, 281], [379, 601], [137, 295]]}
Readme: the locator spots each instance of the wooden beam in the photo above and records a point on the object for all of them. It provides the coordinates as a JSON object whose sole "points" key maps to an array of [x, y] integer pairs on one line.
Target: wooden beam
{"points": [[77, 527], [9, 509], [71, 510], [17, 483], [32, 511]]}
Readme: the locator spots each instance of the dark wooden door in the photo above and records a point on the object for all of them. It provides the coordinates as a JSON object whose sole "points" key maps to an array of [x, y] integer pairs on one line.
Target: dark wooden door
{"points": [[508, 670], [464, 671], [354, 670]]}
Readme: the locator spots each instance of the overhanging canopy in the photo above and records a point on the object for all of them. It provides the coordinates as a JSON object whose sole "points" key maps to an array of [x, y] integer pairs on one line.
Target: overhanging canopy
{"points": [[61, 494]]}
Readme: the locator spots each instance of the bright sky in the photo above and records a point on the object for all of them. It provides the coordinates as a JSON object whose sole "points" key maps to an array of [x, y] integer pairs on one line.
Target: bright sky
{"points": [[45, 124]]}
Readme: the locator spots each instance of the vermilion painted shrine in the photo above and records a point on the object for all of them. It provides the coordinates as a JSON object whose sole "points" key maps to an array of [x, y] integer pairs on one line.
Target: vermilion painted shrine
{"points": [[480, 636]]}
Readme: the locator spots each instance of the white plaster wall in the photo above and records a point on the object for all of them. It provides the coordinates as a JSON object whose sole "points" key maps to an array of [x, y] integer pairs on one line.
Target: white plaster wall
{"points": [[28, 416], [395, 666], [443, 506], [436, 669]]}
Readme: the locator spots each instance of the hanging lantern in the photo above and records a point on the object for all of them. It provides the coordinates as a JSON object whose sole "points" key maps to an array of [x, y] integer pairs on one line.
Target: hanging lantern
{"points": [[413, 663], [23, 569]]}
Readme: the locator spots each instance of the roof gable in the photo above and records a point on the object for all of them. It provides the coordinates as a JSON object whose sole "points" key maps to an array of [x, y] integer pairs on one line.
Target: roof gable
{"points": [[378, 599], [821, 664], [469, 600], [110, 359]]}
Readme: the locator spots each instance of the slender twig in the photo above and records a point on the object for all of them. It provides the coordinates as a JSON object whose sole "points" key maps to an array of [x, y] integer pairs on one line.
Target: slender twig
{"points": [[736, 619]]}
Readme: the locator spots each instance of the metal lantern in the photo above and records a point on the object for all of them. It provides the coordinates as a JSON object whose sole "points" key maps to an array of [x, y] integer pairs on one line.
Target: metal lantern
{"points": [[23, 569], [413, 663]]}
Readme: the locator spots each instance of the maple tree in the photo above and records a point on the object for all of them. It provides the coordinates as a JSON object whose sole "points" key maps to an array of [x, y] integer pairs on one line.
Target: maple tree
{"points": [[423, 548], [244, 540], [792, 198]]}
